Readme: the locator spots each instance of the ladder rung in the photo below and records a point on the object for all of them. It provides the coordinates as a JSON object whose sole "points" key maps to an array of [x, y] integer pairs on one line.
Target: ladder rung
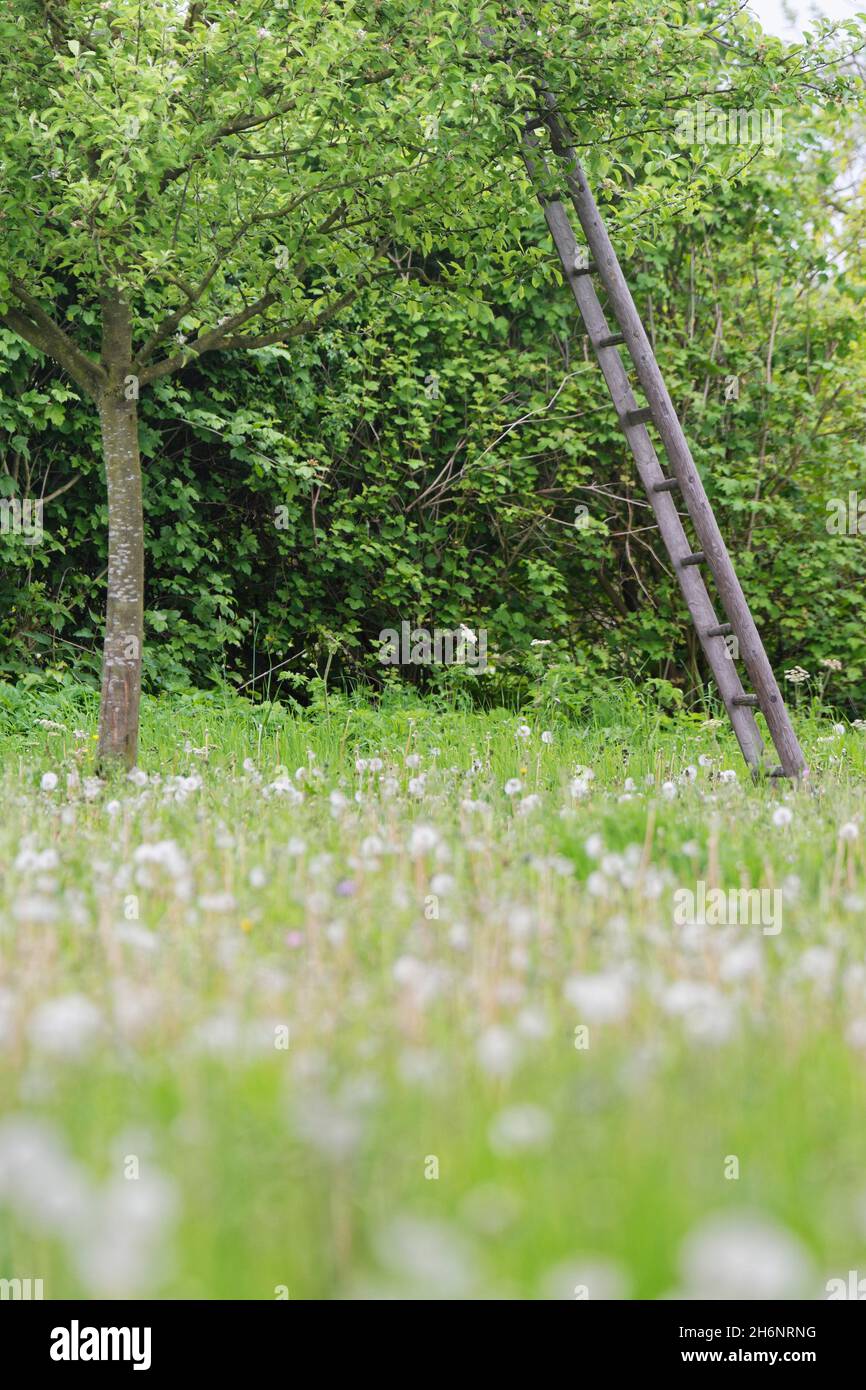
{"points": [[750, 700], [613, 340], [695, 559], [585, 269], [638, 417], [669, 485], [777, 772], [722, 630]]}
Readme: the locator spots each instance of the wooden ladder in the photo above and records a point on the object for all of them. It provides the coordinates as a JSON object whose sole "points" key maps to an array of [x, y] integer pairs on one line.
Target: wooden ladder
{"points": [[711, 553]]}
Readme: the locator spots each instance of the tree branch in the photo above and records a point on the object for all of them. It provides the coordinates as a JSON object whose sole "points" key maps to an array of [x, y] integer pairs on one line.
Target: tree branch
{"points": [[240, 124], [39, 329], [193, 294], [217, 341]]}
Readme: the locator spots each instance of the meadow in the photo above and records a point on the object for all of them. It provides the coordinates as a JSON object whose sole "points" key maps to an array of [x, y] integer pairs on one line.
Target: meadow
{"points": [[389, 1002]]}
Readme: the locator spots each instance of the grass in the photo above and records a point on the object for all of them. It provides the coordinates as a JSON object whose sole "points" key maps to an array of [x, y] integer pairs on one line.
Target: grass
{"points": [[436, 1041]]}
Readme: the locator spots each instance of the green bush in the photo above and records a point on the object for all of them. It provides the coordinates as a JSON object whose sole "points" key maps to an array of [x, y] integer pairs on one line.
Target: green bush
{"points": [[427, 459]]}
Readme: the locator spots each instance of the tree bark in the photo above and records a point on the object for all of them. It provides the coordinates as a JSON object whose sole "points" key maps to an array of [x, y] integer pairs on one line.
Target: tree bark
{"points": [[121, 666]]}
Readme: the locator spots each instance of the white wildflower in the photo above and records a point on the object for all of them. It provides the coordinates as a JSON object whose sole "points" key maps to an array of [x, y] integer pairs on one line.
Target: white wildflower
{"points": [[220, 904], [442, 885], [744, 1255], [422, 839], [138, 937], [520, 1129], [430, 1257], [818, 964], [124, 1246], [66, 1027], [740, 962], [601, 998], [497, 1051], [532, 1022], [29, 860]]}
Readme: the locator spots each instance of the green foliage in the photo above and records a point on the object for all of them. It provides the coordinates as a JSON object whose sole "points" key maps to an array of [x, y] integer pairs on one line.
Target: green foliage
{"points": [[425, 455]]}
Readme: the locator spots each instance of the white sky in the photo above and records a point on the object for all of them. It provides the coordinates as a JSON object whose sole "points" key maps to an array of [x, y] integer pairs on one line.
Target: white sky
{"points": [[772, 14]]}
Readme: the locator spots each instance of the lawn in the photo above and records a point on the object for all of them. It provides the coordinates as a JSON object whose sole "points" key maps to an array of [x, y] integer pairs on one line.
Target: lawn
{"points": [[398, 1002]]}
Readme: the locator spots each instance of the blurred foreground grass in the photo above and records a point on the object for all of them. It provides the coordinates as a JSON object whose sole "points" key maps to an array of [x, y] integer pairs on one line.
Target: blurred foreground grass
{"points": [[393, 1003]]}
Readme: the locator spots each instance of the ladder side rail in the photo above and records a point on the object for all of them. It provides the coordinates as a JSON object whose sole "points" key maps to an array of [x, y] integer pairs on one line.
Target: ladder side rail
{"points": [[692, 490], [670, 526]]}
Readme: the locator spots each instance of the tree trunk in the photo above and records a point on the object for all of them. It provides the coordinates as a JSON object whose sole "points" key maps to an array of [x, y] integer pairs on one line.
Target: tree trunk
{"points": [[121, 663]]}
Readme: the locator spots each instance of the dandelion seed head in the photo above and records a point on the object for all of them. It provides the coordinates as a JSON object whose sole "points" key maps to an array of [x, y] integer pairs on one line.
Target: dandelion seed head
{"points": [[744, 1255]]}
